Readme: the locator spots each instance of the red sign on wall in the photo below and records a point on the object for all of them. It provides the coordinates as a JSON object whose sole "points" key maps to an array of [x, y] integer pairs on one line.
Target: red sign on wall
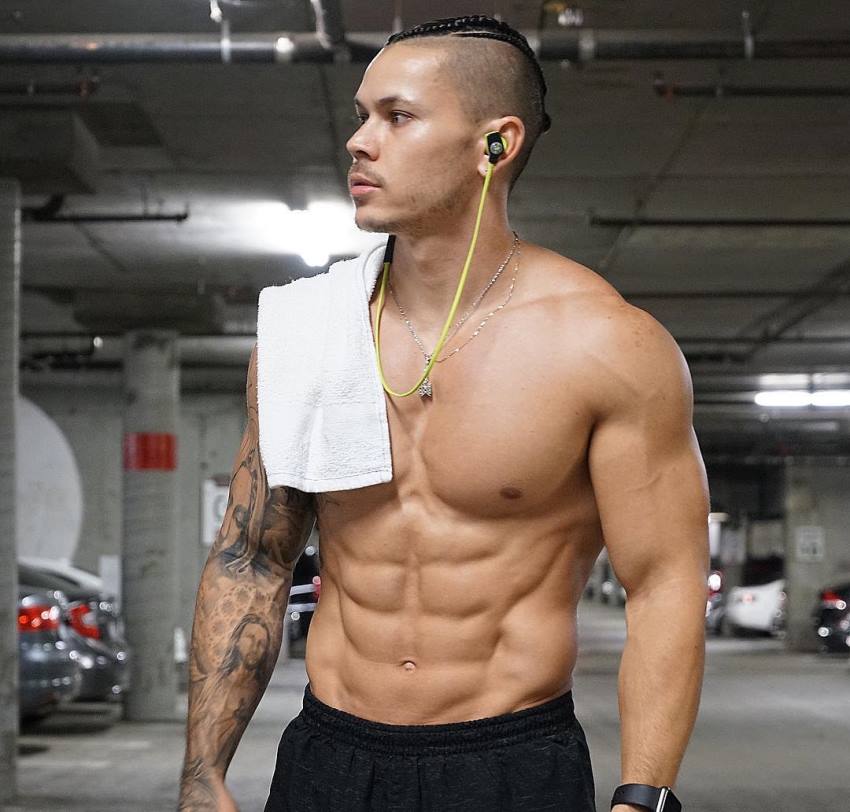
{"points": [[150, 451]]}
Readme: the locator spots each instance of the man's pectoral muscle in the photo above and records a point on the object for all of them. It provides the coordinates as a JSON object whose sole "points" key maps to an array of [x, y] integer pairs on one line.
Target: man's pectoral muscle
{"points": [[239, 612]]}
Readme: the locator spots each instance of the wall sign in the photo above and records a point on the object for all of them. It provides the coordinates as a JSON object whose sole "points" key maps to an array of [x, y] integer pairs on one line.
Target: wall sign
{"points": [[809, 543]]}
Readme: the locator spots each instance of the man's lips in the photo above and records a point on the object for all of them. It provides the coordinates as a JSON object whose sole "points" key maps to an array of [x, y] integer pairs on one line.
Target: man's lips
{"points": [[360, 184]]}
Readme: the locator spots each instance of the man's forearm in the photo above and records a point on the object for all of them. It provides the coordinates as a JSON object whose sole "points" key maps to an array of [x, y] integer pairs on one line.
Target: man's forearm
{"points": [[236, 638], [660, 681]]}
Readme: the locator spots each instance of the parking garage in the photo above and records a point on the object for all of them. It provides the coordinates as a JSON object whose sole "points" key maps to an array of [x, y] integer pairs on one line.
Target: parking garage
{"points": [[162, 163]]}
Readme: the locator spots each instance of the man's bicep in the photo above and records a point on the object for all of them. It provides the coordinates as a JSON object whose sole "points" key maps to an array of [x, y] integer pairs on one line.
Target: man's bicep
{"points": [[264, 529], [647, 472]]}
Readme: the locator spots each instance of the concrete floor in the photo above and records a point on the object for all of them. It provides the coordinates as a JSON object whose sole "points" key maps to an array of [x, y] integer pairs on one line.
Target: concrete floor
{"points": [[773, 736]]}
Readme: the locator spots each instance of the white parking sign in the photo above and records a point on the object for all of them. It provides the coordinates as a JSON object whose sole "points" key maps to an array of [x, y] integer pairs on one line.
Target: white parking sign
{"points": [[809, 543]]}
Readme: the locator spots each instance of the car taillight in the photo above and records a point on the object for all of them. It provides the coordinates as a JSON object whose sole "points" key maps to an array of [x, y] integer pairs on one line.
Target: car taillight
{"points": [[832, 600], [38, 618], [317, 586], [83, 620]]}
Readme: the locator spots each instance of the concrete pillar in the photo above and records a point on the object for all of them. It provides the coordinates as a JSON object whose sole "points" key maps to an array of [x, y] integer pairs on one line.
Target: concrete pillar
{"points": [[10, 271], [149, 559], [817, 546]]}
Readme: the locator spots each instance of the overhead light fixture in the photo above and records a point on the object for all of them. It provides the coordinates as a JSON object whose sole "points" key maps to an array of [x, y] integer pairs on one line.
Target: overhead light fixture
{"points": [[797, 398], [322, 230], [834, 398], [784, 398]]}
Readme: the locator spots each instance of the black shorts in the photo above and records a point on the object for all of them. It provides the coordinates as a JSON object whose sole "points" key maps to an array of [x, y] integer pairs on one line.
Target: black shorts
{"points": [[532, 760]]}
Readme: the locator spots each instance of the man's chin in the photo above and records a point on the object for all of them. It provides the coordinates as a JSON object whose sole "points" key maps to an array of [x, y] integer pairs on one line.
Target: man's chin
{"points": [[372, 224]]}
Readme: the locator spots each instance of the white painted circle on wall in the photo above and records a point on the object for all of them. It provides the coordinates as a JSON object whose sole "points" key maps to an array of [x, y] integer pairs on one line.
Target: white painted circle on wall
{"points": [[50, 495]]}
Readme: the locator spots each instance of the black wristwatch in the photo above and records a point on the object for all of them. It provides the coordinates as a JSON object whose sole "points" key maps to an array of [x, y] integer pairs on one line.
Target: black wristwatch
{"points": [[656, 799]]}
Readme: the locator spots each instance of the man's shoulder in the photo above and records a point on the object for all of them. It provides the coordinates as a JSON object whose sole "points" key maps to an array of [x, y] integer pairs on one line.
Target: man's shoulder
{"points": [[622, 347]]}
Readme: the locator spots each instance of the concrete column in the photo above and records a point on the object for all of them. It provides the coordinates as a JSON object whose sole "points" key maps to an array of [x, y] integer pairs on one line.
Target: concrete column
{"points": [[149, 559], [817, 546], [10, 271]]}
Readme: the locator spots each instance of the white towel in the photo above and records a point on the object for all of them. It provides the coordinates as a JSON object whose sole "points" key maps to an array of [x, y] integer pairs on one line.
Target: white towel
{"points": [[321, 408]]}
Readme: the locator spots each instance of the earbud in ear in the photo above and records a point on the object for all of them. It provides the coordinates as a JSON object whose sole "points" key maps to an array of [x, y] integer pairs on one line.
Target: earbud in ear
{"points": [[496, 146]]}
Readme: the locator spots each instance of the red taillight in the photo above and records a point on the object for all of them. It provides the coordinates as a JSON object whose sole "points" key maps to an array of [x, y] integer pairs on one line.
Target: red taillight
{"points": [[317, 586], [38, 618], [832, 600], [83, 620]]}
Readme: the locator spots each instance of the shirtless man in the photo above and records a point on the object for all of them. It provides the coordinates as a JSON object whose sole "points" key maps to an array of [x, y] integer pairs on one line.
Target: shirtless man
{"points": [[449, 594]]}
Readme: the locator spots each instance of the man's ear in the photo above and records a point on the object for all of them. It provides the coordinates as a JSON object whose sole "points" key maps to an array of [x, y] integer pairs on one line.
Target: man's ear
{"points": [[512, 130]]}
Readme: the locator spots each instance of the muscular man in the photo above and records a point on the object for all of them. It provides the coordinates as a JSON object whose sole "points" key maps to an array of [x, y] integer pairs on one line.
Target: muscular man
{"points": [[441, 652]]}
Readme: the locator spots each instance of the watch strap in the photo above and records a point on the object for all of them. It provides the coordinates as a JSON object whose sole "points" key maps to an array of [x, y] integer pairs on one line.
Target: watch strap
{"points": [[656, 799]]}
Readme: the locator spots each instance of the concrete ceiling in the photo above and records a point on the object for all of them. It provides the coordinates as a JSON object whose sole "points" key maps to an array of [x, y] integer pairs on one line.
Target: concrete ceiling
{"points": [[208, 139]]}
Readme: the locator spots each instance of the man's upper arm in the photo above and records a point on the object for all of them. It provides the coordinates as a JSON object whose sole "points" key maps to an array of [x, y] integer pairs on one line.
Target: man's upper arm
{"points": [[645, 465], [264, 528]]}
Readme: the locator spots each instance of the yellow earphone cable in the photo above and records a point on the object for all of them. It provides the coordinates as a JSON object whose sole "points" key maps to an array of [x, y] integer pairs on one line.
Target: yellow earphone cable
{"points": [[442, 340]]}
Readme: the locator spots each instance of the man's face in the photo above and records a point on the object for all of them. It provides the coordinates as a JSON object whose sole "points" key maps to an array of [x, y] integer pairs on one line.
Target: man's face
{"points": [[415, 151]]}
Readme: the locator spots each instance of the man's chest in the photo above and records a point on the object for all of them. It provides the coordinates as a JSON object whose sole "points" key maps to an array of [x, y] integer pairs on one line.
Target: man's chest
{"points": [[506, 427]]}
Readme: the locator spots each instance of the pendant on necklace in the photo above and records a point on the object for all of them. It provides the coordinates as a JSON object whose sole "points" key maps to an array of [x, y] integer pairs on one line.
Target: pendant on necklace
{"points": [[425, 390]]}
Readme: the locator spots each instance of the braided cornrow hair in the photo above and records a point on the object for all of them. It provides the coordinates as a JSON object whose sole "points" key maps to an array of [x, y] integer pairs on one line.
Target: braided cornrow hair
{"points": [[483, 27]]}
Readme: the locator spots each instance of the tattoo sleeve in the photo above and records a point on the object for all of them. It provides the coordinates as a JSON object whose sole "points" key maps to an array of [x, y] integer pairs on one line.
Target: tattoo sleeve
{"points": [[239, 611]]}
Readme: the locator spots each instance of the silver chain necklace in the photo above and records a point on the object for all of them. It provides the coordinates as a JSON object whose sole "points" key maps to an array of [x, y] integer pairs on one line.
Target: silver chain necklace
{"points": [[426, 388]]}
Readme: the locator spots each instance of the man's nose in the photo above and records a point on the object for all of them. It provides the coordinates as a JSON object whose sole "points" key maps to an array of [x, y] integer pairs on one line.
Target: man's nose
{"points": [[361, 145]]}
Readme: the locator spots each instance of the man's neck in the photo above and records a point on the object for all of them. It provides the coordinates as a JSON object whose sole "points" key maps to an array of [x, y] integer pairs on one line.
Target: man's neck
{"points": [[426, 270]]}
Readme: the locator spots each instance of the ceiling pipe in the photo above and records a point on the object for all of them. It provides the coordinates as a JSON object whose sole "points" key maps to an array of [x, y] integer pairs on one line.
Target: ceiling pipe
{"points": [[719, 222], [329, 26], [215, 350], [82, 88], [668, 90], [49, 213], [329, 41], [724, 294]]}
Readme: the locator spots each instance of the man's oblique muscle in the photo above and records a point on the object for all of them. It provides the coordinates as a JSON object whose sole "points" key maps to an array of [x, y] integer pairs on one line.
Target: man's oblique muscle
{"points": [[238, 626]]}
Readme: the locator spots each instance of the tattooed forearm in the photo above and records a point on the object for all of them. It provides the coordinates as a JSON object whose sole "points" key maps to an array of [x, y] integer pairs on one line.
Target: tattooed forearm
{"points": [[238, 626]]}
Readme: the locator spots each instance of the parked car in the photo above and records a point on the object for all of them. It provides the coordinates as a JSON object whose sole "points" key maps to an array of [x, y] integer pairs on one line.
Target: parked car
{"points": [[832, 618], [49, 672], [758, 608], [715, 604], [80, 577], [96, 630], [304, 593]]}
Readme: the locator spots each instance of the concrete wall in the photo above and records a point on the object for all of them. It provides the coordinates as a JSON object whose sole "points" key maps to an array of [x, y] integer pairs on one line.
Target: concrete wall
{"points": [[209, 432]]}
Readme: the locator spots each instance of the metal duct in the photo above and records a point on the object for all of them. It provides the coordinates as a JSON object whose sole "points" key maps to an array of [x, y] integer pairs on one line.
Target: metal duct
{"points": [[574, 45]]}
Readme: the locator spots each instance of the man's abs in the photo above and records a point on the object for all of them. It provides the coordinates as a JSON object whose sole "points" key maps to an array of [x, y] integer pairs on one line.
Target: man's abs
{"points": [[445, 620]]}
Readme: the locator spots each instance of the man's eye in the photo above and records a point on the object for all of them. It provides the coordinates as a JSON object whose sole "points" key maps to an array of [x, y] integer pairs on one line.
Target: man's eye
{"points": [[358, 118], [397, 117]]}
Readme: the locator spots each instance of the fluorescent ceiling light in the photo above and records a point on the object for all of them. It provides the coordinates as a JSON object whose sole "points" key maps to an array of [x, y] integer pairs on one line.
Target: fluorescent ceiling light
{"points": [[784, 398], [324, 229], [831, 397], [827, 398]]}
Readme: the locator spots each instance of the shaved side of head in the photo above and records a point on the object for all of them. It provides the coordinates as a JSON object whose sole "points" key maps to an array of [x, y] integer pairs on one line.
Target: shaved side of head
{"points": [[493, 71]]}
